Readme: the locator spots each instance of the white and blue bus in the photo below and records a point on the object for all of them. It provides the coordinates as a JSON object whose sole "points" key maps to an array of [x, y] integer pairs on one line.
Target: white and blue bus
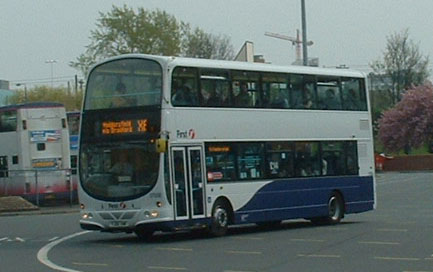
{"points": [[34, 151], [172, 143]]}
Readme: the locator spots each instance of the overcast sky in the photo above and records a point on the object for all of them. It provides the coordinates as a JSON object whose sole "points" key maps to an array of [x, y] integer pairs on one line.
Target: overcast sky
{"points": [[350, 32]]}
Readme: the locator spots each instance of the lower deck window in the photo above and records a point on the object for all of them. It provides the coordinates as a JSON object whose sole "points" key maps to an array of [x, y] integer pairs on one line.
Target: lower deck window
{"points": [[259, 160]]}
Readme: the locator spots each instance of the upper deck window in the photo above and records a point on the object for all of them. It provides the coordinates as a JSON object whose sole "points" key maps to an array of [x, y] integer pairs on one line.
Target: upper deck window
{"points": [[124, 83], [184, 87], [8, 121], [354, 96], [229, 88]]}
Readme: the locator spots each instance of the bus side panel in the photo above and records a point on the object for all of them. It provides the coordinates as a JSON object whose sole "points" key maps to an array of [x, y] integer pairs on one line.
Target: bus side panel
{"points": [[306, 198]]}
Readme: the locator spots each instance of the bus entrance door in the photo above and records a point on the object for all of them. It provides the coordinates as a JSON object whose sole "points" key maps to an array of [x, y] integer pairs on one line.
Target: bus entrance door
{"points": [[188, 183]]}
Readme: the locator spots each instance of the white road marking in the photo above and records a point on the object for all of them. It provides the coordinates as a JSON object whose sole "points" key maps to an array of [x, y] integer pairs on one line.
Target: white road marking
{"points": [[4, 238], [174, 249], [417, 271], [54, 238], [393, 230], [43, 253], [19, 239], [167, 268], [237, 271], [248, 238], [379, 243], [397, 259], [319, 256], [308, 240], [243, 252], [91, 264]]}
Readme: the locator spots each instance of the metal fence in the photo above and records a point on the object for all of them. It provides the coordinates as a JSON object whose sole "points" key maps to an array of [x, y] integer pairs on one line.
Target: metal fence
{"points": [[40, 186]]}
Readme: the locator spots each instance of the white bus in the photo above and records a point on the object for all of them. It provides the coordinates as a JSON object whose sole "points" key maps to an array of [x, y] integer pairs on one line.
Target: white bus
{"points": [[73, 118], [34, 153], [171, 143]]}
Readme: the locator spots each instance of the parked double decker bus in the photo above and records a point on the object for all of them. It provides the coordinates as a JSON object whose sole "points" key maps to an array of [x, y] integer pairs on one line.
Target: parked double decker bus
{"points": [[34, 153], [173, 143]]}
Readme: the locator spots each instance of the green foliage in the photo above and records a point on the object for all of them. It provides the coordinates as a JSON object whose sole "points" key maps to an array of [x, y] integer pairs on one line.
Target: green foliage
{"points": [[71, 100], [122, 31]]}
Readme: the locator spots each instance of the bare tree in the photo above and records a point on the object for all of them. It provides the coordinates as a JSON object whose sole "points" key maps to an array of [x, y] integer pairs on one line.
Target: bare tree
{"points": [[403, 65], [199, 44]]}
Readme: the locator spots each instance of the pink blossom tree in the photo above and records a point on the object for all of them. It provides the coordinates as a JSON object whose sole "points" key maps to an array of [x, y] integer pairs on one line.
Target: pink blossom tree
{"points": [[410, 123]]}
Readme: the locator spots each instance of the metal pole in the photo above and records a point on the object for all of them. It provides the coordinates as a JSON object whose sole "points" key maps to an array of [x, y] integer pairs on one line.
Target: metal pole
{"points": [[69, 177], [37, 188], [304, 34]]}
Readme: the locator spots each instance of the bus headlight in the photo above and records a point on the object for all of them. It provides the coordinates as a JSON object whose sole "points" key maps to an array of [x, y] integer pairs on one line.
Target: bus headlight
{"points": [[159, 204], [87, 216], [149, 214]]}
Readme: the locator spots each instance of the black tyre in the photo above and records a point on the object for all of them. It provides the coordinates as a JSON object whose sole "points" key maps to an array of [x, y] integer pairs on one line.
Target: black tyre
{"points": [[220, 219], [143, 234], [335, 211]]}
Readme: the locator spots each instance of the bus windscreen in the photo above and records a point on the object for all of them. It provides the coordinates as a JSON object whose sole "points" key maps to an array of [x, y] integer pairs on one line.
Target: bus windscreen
{"points": [[124, 83]]}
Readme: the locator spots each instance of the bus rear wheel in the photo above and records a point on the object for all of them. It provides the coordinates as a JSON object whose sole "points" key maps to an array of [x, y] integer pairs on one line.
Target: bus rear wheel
{"points": [[335, 211], [220, 219]]}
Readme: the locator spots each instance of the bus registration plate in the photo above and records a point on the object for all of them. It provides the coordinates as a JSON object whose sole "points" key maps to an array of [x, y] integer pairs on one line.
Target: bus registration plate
{"points": [[118, 224]]}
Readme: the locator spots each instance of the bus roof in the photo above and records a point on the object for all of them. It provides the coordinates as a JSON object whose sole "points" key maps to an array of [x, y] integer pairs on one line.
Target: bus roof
{"points": [[32, 105], [238, 65]]}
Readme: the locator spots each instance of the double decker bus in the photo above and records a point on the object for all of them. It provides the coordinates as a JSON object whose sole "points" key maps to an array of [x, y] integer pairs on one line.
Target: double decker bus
{"points": [[34, 153], [172, 143]]}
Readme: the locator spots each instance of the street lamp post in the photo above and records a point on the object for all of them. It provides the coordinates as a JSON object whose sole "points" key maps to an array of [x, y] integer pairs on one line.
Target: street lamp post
{"points": [[51, 62], [304, 34], [25, 90]]}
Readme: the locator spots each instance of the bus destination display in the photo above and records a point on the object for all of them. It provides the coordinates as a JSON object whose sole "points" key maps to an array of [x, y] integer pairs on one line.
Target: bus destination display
{"points": [[125, 127]]}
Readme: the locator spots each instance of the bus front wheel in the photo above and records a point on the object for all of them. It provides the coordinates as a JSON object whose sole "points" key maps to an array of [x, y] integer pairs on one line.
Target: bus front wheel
{"points": [[143, 234], [220, 219]]}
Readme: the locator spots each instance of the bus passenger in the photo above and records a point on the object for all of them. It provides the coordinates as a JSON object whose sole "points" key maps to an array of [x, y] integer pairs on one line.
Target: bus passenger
{"points": [[214, 99], [331, 102], [243, 99], [352, 101], [308, 101], [120, 98], [122, 167], [297, 100], [183, 97]]}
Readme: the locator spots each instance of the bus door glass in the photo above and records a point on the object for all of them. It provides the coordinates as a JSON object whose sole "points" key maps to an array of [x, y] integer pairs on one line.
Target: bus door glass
{"points": [[188, 182]]}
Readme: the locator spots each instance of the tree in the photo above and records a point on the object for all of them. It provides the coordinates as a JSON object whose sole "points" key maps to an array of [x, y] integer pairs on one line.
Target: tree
{"points": [[410, 123], [71, 101], [403, 65], [199, 44], [122, 30]]}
